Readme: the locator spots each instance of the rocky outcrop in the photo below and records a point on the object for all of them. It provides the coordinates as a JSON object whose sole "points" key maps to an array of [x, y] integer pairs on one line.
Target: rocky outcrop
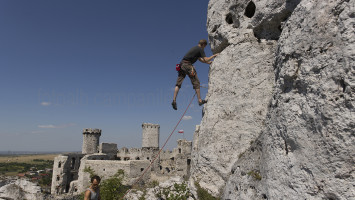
{"points": [[13, 188], [280, 117], [235, 112], [174, 188]]}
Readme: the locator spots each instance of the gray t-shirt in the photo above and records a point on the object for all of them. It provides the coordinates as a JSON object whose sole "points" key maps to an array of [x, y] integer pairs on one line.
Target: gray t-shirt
{"points": [[194, 53], [94, 195]]}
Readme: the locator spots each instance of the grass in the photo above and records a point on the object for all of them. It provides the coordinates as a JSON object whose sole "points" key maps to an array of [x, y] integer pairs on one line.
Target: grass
{"points": [[203, 193], [241, 155], [11, 173], [26, 158], [14, 164], [255, 175]]}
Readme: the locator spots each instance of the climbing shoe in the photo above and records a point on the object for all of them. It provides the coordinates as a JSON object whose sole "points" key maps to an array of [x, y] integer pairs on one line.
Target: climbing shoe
{"points": [[202, 102], [174, 105]]}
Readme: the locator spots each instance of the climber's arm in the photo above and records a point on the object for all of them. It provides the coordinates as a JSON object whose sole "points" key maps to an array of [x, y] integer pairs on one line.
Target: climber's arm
{"points": [[207, 59]]}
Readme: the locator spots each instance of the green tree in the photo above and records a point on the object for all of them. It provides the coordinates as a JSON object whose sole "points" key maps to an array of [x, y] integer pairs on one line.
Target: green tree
{"points": [[113, 188], [90, 171], [47, 180]]}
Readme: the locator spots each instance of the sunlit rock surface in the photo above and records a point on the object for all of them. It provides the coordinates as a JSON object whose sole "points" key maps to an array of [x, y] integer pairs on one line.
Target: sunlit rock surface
{"points": [[280, 117]]}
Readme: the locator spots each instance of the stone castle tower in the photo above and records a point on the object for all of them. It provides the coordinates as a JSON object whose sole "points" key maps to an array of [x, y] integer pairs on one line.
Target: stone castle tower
{"points": [[91, 139], [150, 137]]}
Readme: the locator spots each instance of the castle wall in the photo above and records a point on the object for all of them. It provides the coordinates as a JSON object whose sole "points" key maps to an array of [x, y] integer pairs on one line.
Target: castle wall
{"points": [[84, 177], [65, 170], [183, 158], [91, 139], [140, 154], [184, 146], [149, 154], [108, 148], [177, 161], [107, 168], [182, 165], [166, 154], [70, 171], [129, 154], [150, 135]]}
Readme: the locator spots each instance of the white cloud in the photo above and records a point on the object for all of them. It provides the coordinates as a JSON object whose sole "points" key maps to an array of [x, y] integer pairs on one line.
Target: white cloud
{"points": [[186, 117], [37, 132], [56, 126], [45, 103], [46, 126]]}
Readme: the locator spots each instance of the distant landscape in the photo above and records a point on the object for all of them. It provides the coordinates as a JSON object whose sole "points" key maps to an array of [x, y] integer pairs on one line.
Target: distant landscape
{"points": [[35, 166], [2, 153]]}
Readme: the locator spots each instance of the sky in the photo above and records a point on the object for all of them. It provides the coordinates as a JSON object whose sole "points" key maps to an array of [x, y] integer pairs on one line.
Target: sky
{"points": [[67, 65]]}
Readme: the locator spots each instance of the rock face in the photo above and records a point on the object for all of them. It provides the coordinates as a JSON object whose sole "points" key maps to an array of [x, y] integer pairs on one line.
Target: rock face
{"points": [[235, 111], [280, 117], [170, 189], [20, 189]]}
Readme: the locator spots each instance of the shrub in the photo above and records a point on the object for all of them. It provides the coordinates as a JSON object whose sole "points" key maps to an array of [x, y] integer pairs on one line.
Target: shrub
{"points": [[153, 184], [90, 171], [112, 188], [255, 175], [176, 192], [203, 194], [143, 195]]}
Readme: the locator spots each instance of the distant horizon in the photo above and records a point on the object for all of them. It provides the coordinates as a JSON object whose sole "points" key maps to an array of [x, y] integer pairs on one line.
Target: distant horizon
{"points": [[34, 152]]}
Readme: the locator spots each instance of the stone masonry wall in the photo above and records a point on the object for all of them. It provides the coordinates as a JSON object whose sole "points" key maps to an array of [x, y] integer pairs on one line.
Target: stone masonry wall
{"points": [[70, 173], [83, 177], [107, 168], [150, 135], [65, 170], [91, 140]]}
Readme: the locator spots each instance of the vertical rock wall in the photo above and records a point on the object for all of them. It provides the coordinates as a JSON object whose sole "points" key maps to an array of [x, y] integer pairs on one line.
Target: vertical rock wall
{"points": [[308, 147], [280, 117], [241, 81]]}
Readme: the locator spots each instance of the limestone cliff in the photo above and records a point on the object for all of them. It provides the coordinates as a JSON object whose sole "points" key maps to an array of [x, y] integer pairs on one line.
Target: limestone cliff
{"points": [[19, 188], [280, 117]]}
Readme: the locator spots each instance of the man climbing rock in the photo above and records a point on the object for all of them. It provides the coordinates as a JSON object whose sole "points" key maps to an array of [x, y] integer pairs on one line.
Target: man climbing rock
{"points": [[186, 68]]}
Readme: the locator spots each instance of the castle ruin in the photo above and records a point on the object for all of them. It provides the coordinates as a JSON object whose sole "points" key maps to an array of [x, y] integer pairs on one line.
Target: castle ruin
{"points": [[70, 171]]}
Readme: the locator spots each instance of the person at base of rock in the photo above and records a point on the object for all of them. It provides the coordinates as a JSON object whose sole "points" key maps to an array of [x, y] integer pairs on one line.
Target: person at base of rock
{"points": [[93, 192], [186, 68]]}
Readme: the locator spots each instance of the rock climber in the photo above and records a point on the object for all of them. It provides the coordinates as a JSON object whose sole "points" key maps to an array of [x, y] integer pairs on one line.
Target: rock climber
{"points": [[93, 192], [186, 68]]}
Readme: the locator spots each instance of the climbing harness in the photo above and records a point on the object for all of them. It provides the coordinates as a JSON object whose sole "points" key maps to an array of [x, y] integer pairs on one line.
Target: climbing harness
{"points": [[151, 163]]}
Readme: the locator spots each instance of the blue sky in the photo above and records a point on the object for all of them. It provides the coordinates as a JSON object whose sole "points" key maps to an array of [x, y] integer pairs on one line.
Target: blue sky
{"points": [[67, 65]]}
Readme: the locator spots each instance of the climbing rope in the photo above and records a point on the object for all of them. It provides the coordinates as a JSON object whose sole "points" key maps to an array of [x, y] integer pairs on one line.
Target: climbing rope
{"points": [[151, 163]]}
